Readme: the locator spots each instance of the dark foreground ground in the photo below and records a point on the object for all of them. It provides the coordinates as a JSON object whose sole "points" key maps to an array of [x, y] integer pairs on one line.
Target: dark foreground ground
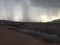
{"points": [[10, 37]]}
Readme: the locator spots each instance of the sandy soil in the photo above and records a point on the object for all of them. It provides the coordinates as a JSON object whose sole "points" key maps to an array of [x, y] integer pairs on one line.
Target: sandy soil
{"points": [[8, 37]]}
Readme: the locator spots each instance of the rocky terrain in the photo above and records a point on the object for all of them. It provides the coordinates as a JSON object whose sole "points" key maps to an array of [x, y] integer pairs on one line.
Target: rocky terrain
{"points": [[10, 35]]}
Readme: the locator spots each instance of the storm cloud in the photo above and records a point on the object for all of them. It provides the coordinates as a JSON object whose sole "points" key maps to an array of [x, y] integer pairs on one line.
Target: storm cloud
{"points": [[30, 10], [49, 9]]}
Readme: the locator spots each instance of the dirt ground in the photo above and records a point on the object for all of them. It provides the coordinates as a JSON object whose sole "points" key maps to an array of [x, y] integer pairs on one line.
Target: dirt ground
{"points": [[9, 37]]}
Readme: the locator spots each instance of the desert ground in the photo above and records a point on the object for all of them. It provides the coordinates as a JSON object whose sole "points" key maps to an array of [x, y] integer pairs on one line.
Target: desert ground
{"points": [[11, 37]]}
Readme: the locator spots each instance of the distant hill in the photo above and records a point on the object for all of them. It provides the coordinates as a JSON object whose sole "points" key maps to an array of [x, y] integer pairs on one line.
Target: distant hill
{"points": [[56, 21]]}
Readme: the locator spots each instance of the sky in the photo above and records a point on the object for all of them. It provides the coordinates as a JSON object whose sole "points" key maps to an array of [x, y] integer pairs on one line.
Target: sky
{"points": [[30, 10]]}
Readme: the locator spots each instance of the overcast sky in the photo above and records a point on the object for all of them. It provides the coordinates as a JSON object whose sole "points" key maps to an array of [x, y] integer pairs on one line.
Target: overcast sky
{"points": [[34, 10]]}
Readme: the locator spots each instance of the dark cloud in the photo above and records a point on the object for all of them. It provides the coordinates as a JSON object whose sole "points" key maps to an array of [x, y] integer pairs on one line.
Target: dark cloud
{"points": [[52, 3], [21, 10]]}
